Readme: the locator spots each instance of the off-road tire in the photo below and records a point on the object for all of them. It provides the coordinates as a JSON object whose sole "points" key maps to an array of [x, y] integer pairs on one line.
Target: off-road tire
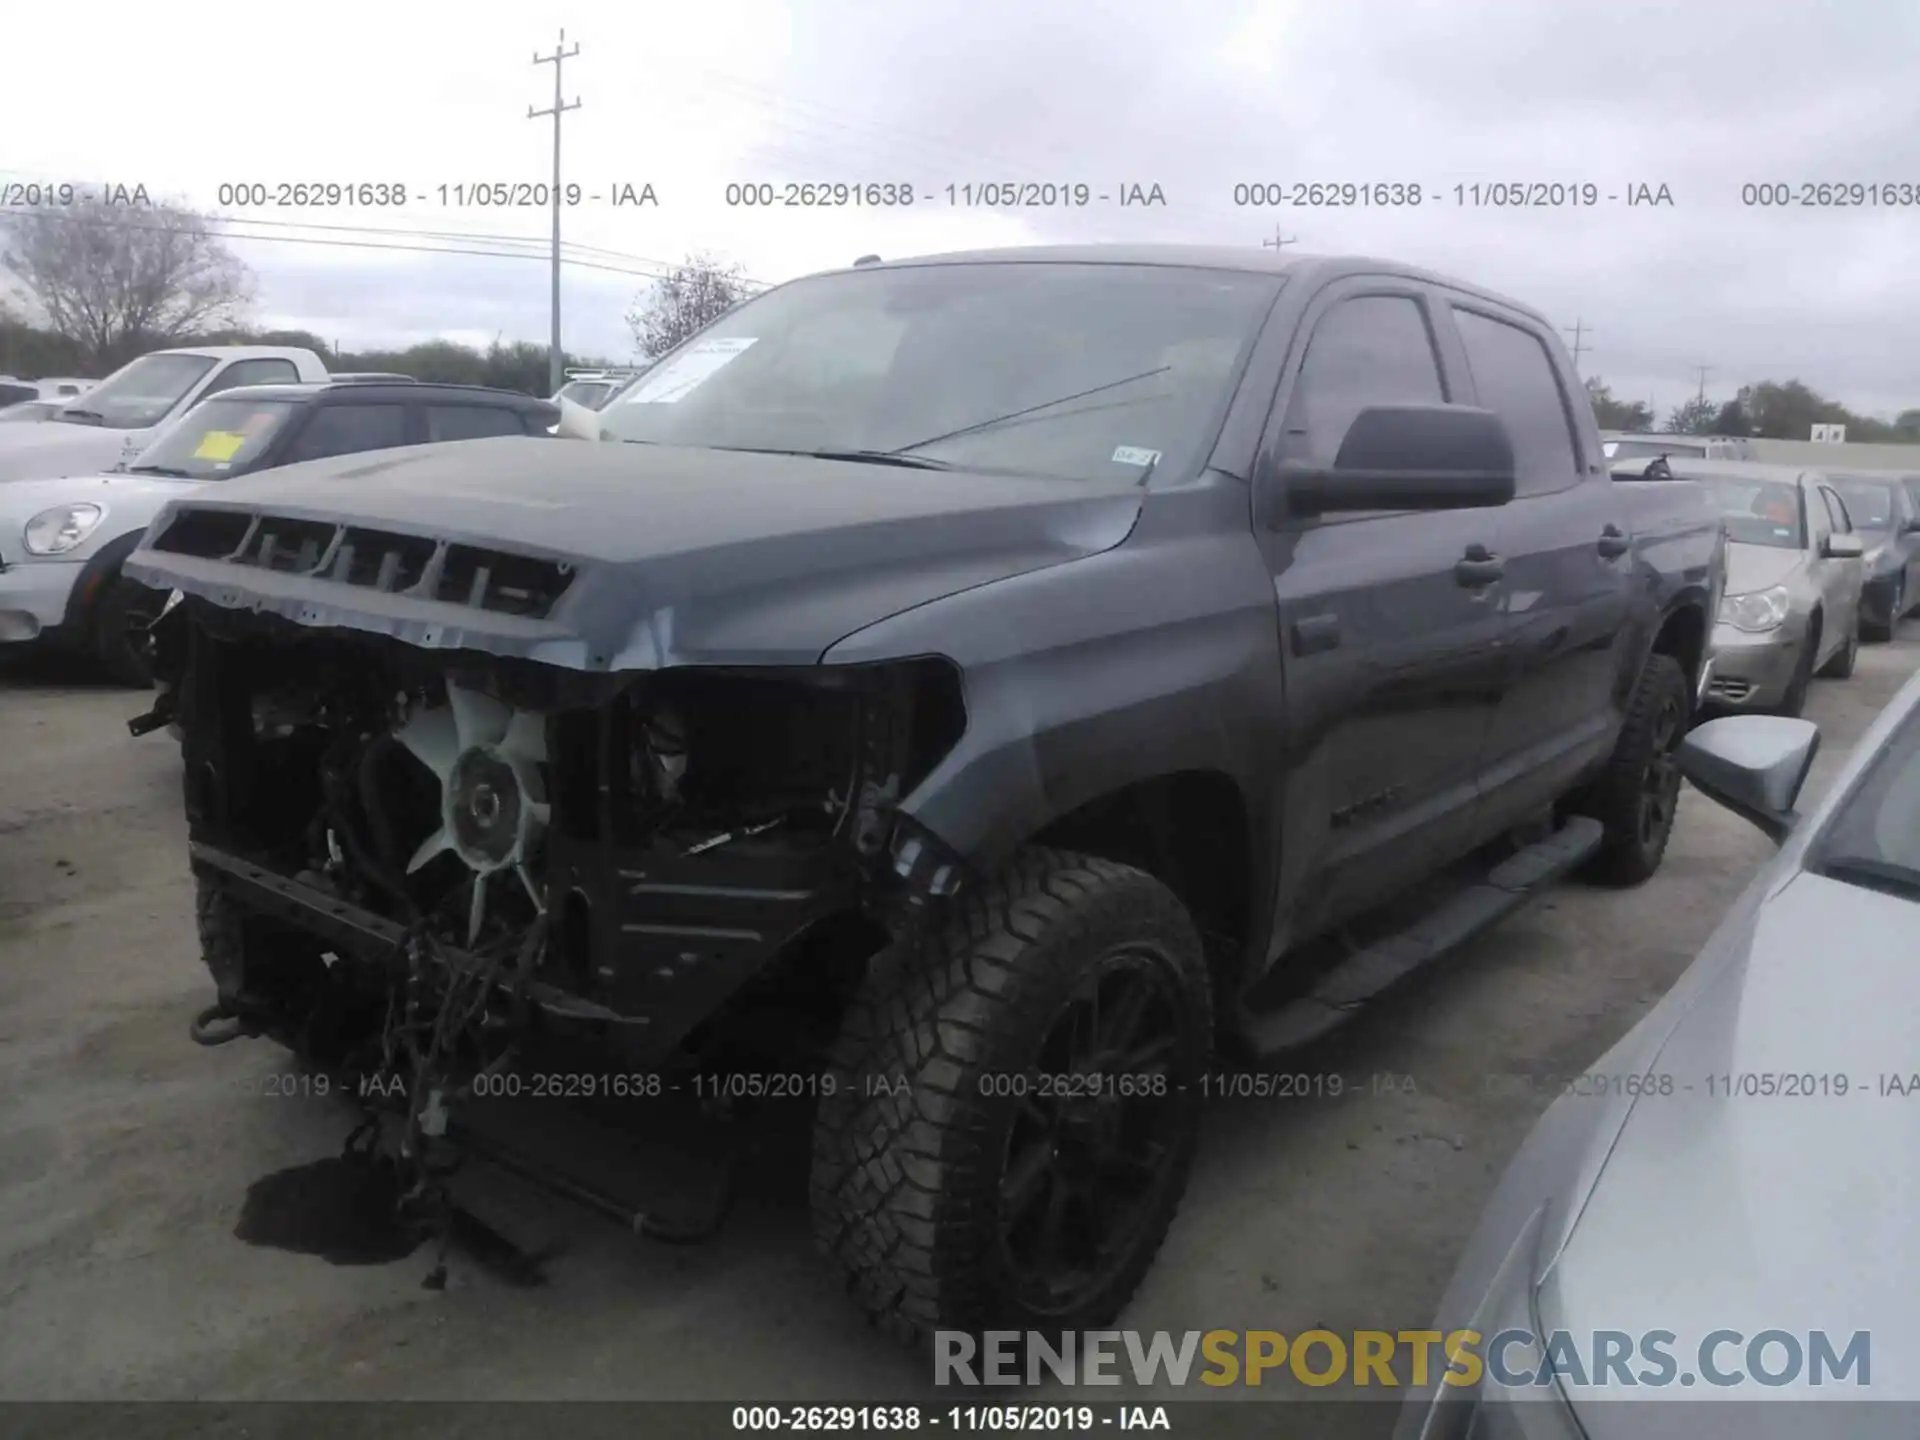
{"points": [[910, 1140], [1658, 717], [1840, 665], [1794, 702], [111, 637]]}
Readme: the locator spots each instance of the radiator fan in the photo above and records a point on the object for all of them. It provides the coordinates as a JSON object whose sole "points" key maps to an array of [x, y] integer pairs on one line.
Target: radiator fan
{"points": [[488, 758]]}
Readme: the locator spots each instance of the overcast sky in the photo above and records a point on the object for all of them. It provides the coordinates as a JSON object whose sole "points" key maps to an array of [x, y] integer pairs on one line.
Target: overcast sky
{"points": [[1194, 97]]}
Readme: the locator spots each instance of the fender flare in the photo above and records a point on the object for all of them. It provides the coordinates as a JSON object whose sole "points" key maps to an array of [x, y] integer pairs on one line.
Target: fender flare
{"points": [[95, 574]]}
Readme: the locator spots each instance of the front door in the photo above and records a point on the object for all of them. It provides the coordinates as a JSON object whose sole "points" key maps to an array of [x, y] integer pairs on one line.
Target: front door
{"points": [[1390, 628]]}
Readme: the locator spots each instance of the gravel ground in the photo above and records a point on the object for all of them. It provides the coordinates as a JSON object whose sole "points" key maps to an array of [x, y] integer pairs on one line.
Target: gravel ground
{"points": [[126, 1151]]}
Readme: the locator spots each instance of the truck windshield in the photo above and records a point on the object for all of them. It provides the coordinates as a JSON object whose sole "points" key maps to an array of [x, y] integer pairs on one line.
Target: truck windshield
{"points": [[140, 394], [215, 440], [1760, 512], [1869, 502], [1076, 371], [590, 393]]}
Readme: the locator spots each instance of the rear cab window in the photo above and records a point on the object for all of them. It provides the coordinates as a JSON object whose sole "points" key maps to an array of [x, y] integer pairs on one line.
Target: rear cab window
{"points": [[472, 422]]}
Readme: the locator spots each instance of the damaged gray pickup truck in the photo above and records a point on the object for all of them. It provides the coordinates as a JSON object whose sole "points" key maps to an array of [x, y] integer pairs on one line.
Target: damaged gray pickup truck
{"points": [[1003, 681]]}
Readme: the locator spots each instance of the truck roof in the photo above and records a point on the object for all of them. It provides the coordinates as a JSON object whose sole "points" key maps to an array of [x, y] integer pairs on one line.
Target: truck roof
{"points": [[237, 352], [1310, 269]]}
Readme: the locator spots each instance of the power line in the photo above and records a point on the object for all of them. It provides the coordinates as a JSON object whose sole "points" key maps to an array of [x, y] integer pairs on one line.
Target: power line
{"points": [[659, 270], [1279, 241], [555, 362]]}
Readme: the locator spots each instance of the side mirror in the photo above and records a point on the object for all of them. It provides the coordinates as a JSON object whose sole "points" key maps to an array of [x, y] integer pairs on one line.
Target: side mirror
{"points": [[1410, 457], [1844, 547], [1754, 765]]}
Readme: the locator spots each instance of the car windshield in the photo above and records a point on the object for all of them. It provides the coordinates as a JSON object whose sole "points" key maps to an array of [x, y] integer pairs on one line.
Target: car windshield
{"points": [[216, 439], [139, 395], [1760, 512], [1873, 839], [1630, 449], [1076, 371], [1869, 502]]}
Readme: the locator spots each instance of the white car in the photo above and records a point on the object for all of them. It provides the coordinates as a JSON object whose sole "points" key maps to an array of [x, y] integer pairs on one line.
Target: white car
{"points": [[115, 420], [62, 541]]}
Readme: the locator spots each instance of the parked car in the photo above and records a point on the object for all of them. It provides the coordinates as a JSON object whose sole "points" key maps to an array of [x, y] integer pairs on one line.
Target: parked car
{"points": [[1794, 576], [870, 679], [1885, 511], [595, 389], [62, 542], [115, 420], [17, 392], [64, 387], [30, 412], [1686, 447], [1744, 1161]]}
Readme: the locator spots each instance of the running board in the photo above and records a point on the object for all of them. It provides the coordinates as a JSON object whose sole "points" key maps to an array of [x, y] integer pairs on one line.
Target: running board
{"points": [[1465, 913]]}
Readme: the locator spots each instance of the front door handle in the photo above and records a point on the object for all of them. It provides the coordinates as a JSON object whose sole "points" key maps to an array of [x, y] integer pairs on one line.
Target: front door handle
{"points": [[1479, 567], [1614, 543]]}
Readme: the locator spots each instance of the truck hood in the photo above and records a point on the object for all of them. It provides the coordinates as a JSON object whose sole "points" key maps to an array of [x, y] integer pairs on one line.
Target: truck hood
{"points": [[1787, 1205], [614, 556], [1759, 567], [56, 448]]}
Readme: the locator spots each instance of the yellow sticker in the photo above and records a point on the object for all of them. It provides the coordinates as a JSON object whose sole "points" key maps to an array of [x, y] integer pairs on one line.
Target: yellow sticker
{"points": [[219, 445]]}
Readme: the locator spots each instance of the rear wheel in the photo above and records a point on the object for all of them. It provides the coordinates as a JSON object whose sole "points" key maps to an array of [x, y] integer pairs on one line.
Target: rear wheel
{"points": [[1638, 793], [1012, 1114], [122, 616], [1896, 610]]}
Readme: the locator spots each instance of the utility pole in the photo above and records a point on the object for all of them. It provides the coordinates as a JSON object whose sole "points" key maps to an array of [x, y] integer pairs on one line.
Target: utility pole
{"points": [[560, 54], [1704, 370], [1577, 329], [1279, 241]]}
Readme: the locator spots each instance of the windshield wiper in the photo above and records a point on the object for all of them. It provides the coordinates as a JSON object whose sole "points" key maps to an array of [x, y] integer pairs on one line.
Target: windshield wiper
{"points": [[864, 457], [166, 470], [1872, 874], [88, 416], [1011, 415]]}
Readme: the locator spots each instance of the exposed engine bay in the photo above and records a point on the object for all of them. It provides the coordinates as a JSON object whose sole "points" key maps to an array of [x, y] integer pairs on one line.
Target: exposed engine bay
{"points": [[419, 869]]}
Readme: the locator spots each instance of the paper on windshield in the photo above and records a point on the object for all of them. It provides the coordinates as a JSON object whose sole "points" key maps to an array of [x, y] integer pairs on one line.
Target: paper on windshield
{"points": [[219, 445], [687, 370]]}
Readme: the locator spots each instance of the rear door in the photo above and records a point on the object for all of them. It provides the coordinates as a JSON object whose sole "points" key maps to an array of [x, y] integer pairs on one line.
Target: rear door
{"points": [[1568, 555], [1390, 623]]}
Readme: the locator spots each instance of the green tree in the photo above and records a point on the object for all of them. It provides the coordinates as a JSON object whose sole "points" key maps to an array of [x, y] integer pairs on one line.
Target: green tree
{"points": [[1612, 414], [1695, 417]]}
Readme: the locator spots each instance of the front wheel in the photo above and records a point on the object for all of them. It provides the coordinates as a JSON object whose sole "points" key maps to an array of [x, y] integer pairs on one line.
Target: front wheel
{"points": [[1637, 795], [1013, 1113], [122, 616]]}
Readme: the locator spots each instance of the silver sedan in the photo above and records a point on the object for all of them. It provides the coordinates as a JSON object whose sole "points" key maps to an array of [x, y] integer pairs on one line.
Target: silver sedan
{"points": [[1795, 572], [1727, 1208]]}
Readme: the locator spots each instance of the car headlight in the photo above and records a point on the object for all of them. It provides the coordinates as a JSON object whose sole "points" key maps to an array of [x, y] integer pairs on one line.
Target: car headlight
{"points": [[56, 531], [1757, 611]]}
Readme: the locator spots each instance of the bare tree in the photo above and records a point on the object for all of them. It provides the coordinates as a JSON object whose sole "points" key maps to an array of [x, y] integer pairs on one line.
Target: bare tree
{"points": [[691, 297], [120, 279]]}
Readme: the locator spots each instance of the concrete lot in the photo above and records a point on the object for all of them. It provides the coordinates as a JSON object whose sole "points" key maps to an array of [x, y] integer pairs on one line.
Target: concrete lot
{"points": [[125, 1151]]}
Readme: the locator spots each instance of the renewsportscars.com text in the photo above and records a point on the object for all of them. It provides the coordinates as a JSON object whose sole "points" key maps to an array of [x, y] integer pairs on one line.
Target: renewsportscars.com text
{"points": [[1390, 1359]]}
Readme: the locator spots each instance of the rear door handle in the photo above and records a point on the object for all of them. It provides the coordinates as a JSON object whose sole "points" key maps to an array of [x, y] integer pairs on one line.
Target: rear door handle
{"points": [[1479, 567], [1614, 543]]}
